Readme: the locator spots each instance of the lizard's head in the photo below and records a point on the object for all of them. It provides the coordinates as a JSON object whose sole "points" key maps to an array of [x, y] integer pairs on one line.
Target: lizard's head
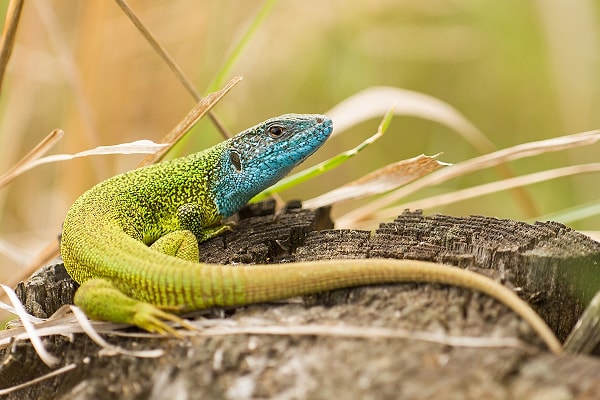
{"points": [[260, 156]]}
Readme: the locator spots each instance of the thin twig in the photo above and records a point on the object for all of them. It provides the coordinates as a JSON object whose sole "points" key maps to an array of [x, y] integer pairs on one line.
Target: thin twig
{"points": [[9, 33], [475, 164], [199, 110], [35, 339], [162, 52], [485, 189], [39, 150]]}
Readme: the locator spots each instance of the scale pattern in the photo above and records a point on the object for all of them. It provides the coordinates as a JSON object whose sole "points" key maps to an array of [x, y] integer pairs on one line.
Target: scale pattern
{"points": [[107, 232]]}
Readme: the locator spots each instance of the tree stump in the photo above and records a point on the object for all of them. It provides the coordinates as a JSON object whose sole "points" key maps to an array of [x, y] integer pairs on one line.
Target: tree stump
{"points": [[553, 267]]}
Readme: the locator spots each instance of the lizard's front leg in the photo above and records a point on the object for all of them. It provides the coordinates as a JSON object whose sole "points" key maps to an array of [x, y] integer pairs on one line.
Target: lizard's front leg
{"points": [[203, 223]]}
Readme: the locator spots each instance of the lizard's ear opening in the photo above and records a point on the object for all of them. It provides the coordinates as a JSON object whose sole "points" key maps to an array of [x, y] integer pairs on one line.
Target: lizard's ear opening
{"points": [[234, 157]]}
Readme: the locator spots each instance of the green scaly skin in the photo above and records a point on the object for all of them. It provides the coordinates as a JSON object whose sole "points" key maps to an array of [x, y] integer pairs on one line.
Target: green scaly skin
{"points": [[132, 240]]}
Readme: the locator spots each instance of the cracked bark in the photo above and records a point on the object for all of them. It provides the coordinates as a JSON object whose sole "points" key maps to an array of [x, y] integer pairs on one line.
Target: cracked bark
{"points": [[554, 268]]}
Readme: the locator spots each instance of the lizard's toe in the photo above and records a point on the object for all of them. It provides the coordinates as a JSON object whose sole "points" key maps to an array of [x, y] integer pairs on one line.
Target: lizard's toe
{"points": [[153, 319]]}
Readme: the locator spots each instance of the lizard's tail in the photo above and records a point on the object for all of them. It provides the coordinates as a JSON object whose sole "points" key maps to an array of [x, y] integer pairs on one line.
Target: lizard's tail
{"points": [[259, 283]]}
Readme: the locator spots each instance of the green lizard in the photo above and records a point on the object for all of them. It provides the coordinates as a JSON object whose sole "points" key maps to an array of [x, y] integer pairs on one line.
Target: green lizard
{"points": [[132, 240]]}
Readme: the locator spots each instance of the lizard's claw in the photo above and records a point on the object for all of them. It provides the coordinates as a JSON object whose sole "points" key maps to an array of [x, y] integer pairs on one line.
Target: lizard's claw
{"points": [[153, 319]]}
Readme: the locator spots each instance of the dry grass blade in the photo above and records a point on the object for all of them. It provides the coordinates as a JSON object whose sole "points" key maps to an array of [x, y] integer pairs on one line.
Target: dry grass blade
{"points": [[162, 52], [358, 332], [199, 110], [9, 33], [36, 341], [489, 160], [67, 320], [39, 150], [380, 181], [91, 332], [32, 159], [136, 147], [14, 311], [159, 49], [62, 322], [376, 101], [488, 188]]}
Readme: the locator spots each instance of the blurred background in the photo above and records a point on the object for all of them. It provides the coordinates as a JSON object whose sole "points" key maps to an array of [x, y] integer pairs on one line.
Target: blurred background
{"points": [[519, 70]]}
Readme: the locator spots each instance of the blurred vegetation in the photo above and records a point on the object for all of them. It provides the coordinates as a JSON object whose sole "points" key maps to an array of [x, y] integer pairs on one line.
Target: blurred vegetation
{"points": [[519, 70]]}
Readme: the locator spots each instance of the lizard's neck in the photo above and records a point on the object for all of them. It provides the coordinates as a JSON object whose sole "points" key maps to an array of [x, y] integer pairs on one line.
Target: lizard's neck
{"points": [[234, 183]]}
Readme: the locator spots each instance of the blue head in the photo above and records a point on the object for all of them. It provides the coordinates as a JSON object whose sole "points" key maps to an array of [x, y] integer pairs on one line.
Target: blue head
{"points": [[260, 156]]}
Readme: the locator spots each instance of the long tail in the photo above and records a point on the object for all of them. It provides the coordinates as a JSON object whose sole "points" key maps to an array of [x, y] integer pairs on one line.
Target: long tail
{"points": [[239, 285], [172, 283]]}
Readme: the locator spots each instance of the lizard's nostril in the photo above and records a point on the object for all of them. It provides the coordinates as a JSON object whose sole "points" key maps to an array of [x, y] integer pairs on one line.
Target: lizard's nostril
{"points": [[319, 120]]}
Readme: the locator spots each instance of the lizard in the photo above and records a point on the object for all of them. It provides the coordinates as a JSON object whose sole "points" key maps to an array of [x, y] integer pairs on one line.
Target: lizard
{"points": [[131, 241]]}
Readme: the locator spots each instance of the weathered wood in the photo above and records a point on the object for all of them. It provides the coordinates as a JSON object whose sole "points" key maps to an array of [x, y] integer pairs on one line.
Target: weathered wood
{"points": [[47, 290], [555, 267], [323, 366]]}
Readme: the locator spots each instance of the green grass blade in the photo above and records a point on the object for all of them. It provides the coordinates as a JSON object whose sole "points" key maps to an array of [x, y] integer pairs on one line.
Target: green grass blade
{"points": [[572, 214], [221, 76], [224, 72]]}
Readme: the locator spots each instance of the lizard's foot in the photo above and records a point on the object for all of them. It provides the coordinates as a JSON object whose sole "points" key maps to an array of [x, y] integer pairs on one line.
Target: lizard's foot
{"points": [[182, 244], [151, 319], [209, 233], [195, 218], [99, 299]]}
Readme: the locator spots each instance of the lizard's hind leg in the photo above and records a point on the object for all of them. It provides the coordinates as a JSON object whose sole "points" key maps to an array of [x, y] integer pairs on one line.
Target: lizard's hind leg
{"points": [[182, 244]]}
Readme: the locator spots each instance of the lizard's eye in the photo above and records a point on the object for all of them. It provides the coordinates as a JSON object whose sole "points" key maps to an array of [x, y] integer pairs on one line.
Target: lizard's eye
{"points": [[276, 131]]}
